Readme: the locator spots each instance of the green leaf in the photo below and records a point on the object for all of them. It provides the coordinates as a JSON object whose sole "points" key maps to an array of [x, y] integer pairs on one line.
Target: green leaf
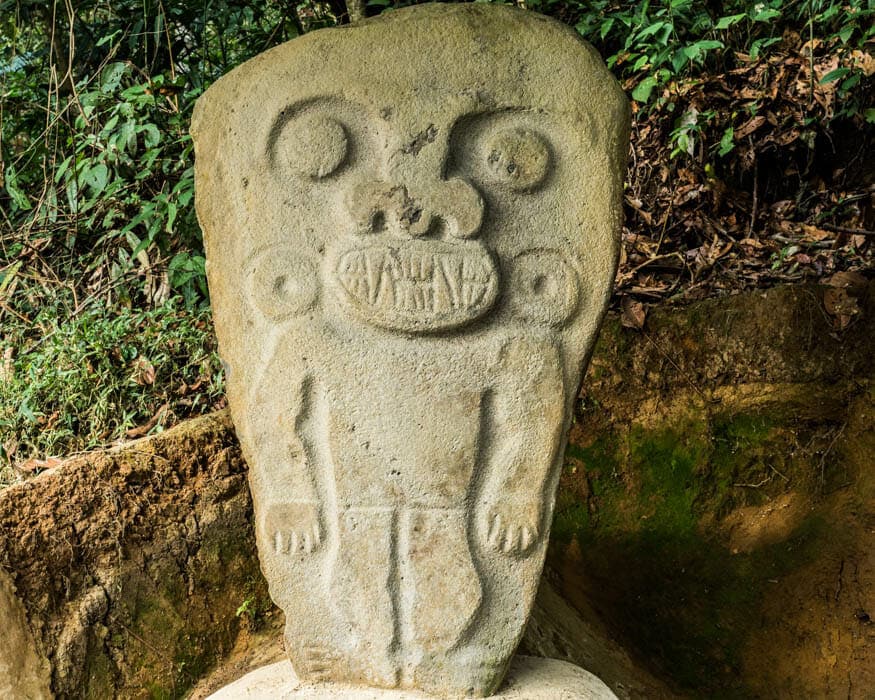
{"points": [[8, 275], [72, 190], [171, 217], [729, 20], [110, 125], [695, 51], [25, 411], [109, 37], [642, 91], [62, 168], [151, 135], [727, 143], [15, 192], [757, 46], [112, 76], [850, 83], [652, 29], [834, 75], [126, 137], [95, 178], [764, 15]]}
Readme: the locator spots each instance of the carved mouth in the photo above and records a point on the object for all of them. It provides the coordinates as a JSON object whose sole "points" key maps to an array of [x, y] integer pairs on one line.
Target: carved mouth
{"points": [[419, 285]]}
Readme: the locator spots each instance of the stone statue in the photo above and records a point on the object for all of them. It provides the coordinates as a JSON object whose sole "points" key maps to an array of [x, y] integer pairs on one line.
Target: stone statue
{"points": [[411, 227]]}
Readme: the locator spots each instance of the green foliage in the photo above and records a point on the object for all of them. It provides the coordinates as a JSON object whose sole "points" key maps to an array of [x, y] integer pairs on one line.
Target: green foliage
{"points": [[653, 43], [97, 159], [87, 380], [657, 46]]}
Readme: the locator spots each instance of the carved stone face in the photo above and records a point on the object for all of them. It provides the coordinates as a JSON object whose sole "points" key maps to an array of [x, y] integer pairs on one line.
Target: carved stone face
{"points": [[411, 229]]}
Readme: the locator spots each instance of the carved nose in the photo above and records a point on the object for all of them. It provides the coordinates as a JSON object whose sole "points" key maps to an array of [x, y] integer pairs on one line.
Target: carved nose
{"points": [[377, 206]]}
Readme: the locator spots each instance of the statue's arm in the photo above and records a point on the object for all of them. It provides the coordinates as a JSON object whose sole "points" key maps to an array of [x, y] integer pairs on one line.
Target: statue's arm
{"points": [[282, 480], [529, 417]]}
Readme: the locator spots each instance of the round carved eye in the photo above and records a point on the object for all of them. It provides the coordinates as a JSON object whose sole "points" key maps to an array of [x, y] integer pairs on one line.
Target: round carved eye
{"points": [[313, 145], [518, 158], [281, 286], [543, 287]]}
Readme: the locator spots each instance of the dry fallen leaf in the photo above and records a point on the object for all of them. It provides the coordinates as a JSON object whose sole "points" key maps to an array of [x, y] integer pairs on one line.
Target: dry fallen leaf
{"points": [[815, 234], [35, 465], [855, 283], [842, 299], [10, 447], [7, 368], [633, 314], [144, 372]]}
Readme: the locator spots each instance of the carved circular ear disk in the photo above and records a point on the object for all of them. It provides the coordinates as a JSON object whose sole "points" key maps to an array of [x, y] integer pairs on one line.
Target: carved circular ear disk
{"points": [[543, 287], [281, 284], [312, 145], [518, 158]]}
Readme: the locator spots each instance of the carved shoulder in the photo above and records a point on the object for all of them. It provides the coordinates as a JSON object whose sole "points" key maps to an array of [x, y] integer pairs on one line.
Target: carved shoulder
{"points": [[532, 358]]}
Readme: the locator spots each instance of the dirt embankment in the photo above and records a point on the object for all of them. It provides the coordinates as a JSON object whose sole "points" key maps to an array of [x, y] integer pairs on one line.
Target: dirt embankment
{"points": [[717, 509], [715, 530], [133, 563]]}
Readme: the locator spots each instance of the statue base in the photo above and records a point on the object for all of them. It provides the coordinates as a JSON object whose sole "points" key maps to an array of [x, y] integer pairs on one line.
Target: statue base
{"points": [[529, 678]]}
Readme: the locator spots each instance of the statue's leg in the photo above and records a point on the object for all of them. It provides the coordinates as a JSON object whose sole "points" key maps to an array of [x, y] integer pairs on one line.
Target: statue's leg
{"points": [[361, 575], [444, 585]]}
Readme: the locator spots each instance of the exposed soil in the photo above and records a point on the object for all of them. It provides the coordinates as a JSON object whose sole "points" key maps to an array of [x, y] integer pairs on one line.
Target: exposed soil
{"points": [[133, 563], [718, 505], [138, 572]]}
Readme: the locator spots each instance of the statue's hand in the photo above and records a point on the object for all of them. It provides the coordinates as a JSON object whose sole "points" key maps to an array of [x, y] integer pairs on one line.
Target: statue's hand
{"points": [[513, 522], [293, 527]]}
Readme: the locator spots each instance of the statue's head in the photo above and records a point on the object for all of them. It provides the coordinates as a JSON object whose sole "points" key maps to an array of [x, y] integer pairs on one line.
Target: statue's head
{"points": [[417, 181]]}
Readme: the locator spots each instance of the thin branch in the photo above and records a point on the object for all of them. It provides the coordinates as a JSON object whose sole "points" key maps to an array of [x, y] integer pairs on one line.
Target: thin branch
{"points": [[846, 229]]}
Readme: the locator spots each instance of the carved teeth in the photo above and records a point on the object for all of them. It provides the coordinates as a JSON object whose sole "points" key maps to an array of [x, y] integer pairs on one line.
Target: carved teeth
{"points": [[408, 281]]}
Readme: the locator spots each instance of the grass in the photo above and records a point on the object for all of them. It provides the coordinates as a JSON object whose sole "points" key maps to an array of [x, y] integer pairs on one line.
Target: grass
{"points": [[72, 384]]}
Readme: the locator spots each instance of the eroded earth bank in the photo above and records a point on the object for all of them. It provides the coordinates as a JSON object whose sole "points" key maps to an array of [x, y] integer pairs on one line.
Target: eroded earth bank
{"points": [[715, 533]]}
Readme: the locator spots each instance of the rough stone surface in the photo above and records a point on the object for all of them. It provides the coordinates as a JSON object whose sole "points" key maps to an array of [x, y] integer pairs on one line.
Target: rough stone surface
{"points": [[555, 631], [528, 678], [23, 673], [412, 230]]}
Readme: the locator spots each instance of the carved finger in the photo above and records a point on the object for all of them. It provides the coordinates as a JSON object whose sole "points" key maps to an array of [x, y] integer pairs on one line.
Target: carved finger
{"points": [[278, 542], [525, 539], [510, 539], [317, 535], [293, 547], [493, 538], [308, 542]]}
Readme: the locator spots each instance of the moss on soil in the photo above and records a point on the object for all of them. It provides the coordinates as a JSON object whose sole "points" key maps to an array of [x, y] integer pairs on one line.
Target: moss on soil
{"points": [[686, 437]]}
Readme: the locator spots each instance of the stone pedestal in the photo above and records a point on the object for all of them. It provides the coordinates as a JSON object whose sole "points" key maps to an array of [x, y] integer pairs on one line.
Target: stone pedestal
{"points": [[529, 678]]}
